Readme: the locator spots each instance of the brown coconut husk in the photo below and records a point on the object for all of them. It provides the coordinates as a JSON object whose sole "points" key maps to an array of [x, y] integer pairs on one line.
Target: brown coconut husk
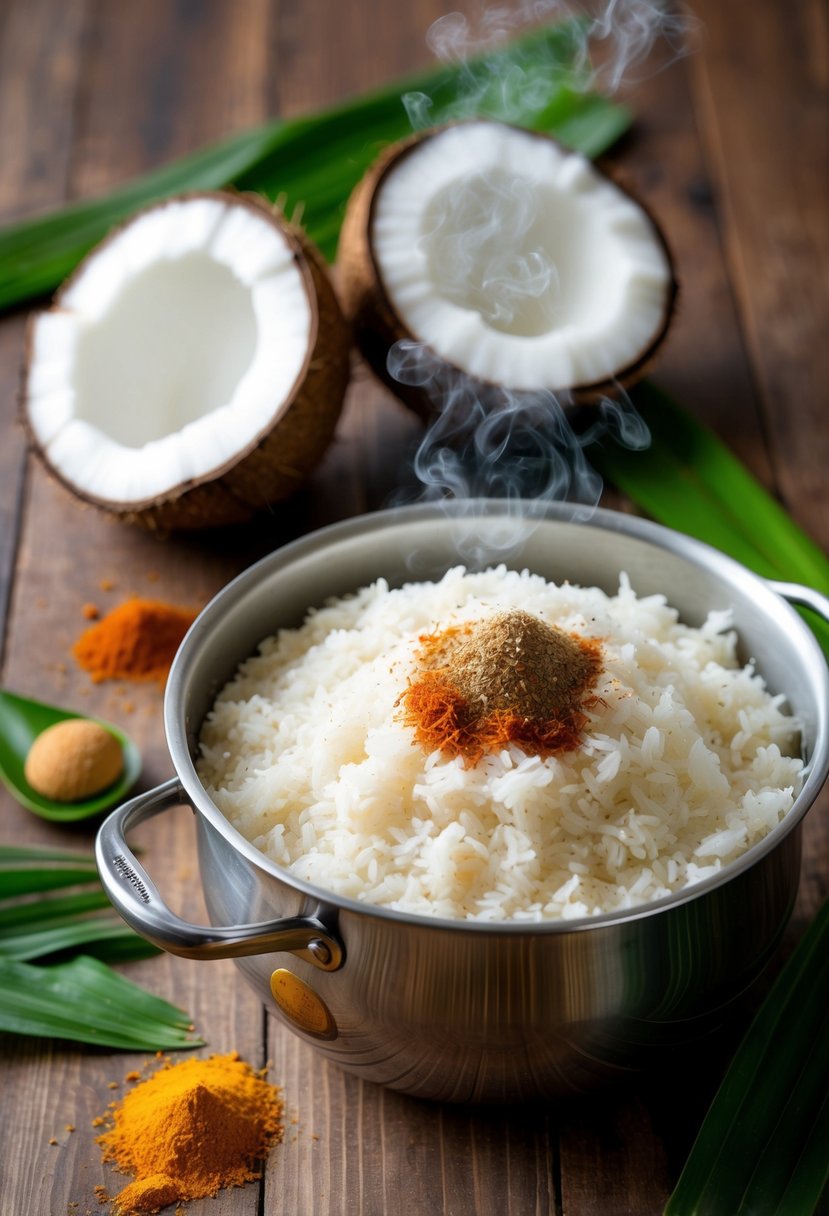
{"points": [[377, 325], [279, 459]]}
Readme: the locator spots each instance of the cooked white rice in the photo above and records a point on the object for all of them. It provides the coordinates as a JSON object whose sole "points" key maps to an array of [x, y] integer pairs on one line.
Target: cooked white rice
{"points": [[682, 769]]}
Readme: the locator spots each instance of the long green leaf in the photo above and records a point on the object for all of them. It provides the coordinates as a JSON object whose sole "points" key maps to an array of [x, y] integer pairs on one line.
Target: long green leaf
{"points": [[87, 933], [804, 1106], [52, 926], [36, 255], [85, 1001], [809, 1182], [687, 470], [82, 999], [39, 913], [38, 853], [688, 479], [314, 162], [749, 508], [24, 871], [774, 1091]]}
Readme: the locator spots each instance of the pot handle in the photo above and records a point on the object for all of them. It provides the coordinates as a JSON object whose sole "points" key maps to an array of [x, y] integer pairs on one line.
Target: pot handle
{"points": [[134, 895], [807, 597]]}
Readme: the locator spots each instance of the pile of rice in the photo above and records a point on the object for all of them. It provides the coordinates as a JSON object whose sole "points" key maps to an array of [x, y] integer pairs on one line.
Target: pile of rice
{"points": [[686, 764]]}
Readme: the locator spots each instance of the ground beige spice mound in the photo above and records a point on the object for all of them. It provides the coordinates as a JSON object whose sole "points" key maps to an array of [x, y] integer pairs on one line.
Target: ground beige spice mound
{"points": [[507, 678]]}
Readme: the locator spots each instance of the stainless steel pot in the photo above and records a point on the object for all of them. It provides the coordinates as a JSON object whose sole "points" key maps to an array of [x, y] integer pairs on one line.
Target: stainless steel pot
{"points": [[468, 1011]]}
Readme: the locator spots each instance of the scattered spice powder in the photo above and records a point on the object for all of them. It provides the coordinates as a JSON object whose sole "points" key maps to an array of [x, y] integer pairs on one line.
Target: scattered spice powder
{"points": [[91, 612], [507, 678], [136, 641], [191, 1129]]}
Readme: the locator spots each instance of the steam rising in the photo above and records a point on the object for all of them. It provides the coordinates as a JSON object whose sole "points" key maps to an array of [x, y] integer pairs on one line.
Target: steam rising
{"points": [[491, 246], [605, 44], [485, 249], [490, 443]]}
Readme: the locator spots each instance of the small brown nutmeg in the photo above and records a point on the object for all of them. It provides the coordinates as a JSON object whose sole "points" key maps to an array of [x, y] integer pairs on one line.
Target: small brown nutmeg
{"points": [[73, 760]]}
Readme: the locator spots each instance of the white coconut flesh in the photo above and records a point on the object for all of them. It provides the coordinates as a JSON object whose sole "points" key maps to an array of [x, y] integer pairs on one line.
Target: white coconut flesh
{"points": [[171, 350], [516, 260]]}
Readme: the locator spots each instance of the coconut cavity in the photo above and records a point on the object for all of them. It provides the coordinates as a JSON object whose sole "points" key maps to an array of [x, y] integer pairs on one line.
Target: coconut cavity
{"points": [[192, 370], [171, 374], [512, 259]]}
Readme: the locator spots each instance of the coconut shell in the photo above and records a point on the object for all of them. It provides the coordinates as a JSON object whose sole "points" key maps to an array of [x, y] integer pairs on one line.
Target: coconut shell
{"points": [[271, 467], [377, 325]]}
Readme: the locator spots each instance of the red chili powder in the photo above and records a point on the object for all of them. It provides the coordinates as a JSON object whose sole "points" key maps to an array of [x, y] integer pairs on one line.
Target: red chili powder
{"points": [[136, 641]]}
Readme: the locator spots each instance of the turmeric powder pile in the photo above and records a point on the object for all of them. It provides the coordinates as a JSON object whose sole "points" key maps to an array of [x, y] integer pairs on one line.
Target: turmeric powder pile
{"points": [[136, 641], [190, 1130], [508, 678]]}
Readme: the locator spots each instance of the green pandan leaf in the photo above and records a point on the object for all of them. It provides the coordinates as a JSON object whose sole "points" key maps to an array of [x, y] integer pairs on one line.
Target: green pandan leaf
{"points": [[85, 1001], [764, 1144], [312, 163], [689, 480]]}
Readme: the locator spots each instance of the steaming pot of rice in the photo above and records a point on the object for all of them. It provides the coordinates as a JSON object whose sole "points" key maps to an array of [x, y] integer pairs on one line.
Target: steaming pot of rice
{"points": [[491, 807]]}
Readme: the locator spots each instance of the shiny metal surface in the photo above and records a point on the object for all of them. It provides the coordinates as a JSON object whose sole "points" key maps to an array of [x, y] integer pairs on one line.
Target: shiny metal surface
{"points": [[471, 1012], [134, 894]]}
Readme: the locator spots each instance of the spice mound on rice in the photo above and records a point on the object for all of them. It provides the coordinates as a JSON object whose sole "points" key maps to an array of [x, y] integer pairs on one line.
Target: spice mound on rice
{"points": [[332, 751]]}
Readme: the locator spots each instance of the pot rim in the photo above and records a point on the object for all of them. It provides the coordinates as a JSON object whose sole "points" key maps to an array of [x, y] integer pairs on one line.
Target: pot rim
{"points": [[685, 547]]}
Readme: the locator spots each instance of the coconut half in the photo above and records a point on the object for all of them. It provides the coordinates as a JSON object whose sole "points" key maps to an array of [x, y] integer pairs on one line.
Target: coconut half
{"points": [[511, 259], [192, 370]]}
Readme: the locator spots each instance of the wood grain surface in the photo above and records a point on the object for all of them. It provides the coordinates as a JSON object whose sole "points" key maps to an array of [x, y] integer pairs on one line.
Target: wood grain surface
{"points": [[730, 149]]}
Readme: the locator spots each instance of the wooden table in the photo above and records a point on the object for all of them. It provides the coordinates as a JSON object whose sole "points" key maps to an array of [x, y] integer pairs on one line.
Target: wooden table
{"points": [[730, 149]]}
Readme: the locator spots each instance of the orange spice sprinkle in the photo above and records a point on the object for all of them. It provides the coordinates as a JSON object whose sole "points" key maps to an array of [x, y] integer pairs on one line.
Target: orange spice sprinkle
{"points": [[506, 679], [137, 641], [91, 612]]}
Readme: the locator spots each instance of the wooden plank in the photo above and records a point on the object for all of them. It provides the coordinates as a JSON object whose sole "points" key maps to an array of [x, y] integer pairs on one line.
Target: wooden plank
{"points": [[164, 80], [704, 362], [151, 89], [39, 65], [766, 133], [359, 1150], [325, 53], [321, 56]]}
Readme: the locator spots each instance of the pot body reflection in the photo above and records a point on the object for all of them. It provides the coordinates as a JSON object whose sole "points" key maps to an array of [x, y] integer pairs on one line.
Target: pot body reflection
{"points": [[492, 1012], [495, 1017]]}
